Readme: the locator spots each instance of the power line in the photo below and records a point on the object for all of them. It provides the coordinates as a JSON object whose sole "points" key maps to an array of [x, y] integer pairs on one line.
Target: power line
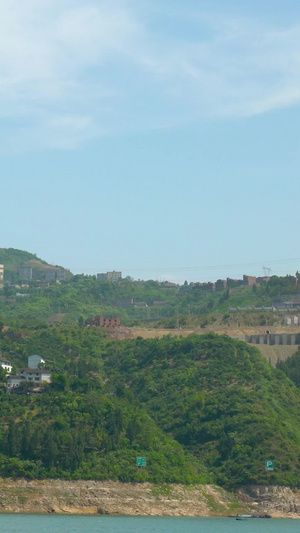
{"points": [[188, 268]]}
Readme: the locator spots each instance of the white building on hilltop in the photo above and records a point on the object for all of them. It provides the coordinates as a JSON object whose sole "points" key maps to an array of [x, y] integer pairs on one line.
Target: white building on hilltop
{"points": [[35, 361]]}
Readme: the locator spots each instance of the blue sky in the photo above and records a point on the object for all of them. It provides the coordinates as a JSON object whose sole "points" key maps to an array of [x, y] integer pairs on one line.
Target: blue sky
{"points": [[160, 138]]}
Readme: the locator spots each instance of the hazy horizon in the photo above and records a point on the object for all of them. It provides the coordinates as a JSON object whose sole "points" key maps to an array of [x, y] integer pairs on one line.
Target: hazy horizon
{"points": [[159, 139]]}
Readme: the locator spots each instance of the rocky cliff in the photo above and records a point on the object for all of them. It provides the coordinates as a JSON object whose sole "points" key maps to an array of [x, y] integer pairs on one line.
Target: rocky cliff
{"points": [[95, 497]]}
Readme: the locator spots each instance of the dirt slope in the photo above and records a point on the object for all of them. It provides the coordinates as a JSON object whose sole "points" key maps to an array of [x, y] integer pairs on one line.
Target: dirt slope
{"points": [[271, 353]]}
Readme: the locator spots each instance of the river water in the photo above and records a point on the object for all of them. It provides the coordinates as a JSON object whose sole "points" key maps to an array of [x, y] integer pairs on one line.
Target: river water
{"points": [[125, 524]]}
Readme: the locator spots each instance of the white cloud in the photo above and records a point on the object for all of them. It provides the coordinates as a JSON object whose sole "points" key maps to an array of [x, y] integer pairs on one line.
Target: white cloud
{"points": [[72, 70], [242, 70]]}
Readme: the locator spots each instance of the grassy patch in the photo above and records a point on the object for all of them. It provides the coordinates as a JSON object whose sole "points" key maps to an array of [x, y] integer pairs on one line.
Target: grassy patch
{"points": [[162, 490], [214, 505], [22, 499]]}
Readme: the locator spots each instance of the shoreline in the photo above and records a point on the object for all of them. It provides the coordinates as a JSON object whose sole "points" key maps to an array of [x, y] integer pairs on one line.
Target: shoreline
{"points": [[145, 499]]}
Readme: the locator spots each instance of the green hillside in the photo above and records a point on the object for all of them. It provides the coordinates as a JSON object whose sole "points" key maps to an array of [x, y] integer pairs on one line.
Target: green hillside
{"points": [[77, 428], [13, 258], [80, 297], [220, 399], [88, 436], [200, 408], [166, 305]]}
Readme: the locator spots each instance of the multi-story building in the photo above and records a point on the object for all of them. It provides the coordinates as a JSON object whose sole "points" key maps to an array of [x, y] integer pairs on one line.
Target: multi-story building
{"points": [[249, 280], [36, 375], [60, 274], [25, 272], [114, 276], [102, 276], [1, 272], [51, 274], [102, 322], [110, 276]]}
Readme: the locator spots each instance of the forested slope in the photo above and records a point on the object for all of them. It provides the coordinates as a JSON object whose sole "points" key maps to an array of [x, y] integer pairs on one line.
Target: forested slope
{"points": [[72, 435], [200, 408], [220, 399]]}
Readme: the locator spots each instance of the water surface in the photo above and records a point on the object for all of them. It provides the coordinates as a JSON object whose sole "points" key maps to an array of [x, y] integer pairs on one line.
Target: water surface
{"points": [[127, 524]]}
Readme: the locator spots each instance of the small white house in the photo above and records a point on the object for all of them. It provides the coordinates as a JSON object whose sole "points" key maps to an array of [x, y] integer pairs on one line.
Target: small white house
{"points": [[6, 365], [36, 375], [34, 361]]}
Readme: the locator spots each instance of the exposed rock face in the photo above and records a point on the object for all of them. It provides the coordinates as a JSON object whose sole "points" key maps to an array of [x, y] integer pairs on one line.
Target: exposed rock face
{"points": [[96, 497], [277, 501], [90, 497]]}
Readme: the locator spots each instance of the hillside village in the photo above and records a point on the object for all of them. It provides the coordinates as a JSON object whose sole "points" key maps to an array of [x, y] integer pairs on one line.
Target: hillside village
{"points": [[27, 277], [26, 273], [35, 375]]}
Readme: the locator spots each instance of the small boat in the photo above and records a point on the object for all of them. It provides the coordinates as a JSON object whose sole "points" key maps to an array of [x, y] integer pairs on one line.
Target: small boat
{"points": [[243, 516]]}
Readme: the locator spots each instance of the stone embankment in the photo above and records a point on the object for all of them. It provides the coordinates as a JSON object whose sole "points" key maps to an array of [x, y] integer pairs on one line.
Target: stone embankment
{"points": [[96, 497]]}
